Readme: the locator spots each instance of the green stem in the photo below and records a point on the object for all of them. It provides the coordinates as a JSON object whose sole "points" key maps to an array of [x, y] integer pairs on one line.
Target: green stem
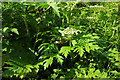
{"points": [[36, 40], [26, 25], [36, 37], [66, 17]]}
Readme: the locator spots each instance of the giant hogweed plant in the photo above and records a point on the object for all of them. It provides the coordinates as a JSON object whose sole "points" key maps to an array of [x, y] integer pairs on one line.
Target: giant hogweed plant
{"points": [[78, 41], [84, 45], [71, 53]]}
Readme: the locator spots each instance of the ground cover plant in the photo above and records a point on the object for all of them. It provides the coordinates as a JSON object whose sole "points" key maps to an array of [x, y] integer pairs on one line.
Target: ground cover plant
{"points": [[53, 40]]}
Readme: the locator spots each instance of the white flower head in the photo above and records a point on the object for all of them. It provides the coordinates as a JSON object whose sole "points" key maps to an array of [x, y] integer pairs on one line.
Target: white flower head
{"points": [[69, 32], [91, 18]]}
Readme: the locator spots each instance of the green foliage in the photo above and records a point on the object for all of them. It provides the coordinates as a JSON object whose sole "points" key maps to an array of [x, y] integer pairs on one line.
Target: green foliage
{"points": [[54, 6], [6, 31], [48, 62], [65, 50], [62, 40]]}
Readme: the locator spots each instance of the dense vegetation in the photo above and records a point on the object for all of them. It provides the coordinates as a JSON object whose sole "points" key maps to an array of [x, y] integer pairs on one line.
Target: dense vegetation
{"points": [[60, 40]]}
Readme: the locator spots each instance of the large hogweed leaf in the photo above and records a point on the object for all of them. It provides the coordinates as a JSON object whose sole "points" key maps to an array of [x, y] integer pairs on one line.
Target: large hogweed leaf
{"points": [[80, 43], [48, 5], [59, 59], [49, 52], [41, 5], [55, 7], [96, 73], [114, 53], [48, 62], [47, 48], [87, 47], [17, 69], [81, 51], [65, 50], [90, 43]]}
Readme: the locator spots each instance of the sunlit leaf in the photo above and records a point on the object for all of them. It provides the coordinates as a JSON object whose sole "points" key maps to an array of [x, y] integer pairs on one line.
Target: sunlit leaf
{"points": [[15, 30]]}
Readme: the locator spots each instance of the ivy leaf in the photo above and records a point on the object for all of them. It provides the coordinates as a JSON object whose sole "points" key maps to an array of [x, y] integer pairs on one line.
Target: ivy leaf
{"points": [[54, 6], [48, 62]]}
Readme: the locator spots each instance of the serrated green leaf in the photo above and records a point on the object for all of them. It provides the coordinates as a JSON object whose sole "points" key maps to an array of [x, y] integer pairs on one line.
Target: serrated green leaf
{"points": [[75, 50], [12, 64], [97, 72], [65, 50], [87, 47], [59, 59], [43, 45], [54, 76], [90, 72], [91, 69], [103, 75], [48, 62], [93, 47], [114, 72], [54, 6], [41, 5], [81, 51]]}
